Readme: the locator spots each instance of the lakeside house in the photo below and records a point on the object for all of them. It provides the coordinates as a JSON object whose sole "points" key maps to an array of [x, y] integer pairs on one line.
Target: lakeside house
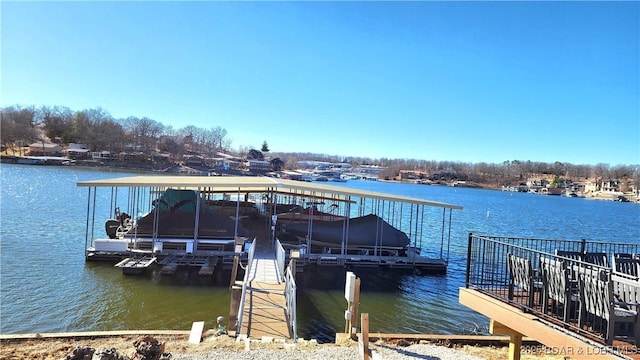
{"points": [[413, 175], [78, 151], [257, 166], [44, 148]]}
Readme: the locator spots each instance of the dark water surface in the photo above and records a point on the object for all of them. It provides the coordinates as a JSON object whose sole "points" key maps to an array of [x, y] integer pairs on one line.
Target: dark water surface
{"points": [[46, 286]]}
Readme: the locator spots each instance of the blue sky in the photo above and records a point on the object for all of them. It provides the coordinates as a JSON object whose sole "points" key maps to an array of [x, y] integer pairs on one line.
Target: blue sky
{"points": [[457, 81]]}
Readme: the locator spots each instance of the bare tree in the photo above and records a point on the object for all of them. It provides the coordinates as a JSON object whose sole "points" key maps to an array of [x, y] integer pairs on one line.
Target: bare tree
{"points": [[219, 135], [57, 123], [18, 126], [112, 136], [600, 172], [144, 132]]}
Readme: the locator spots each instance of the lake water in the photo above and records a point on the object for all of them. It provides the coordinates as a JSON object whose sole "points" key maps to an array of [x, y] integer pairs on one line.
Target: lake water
{"points": [[46, 285]]}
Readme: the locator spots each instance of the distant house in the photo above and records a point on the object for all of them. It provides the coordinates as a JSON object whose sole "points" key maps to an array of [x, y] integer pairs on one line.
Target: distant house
{"points": [[194, 161], [78, 151], [412, 174], [536, 185], [310, 164], [255, 155], [276, 164], [611, 185], [161, 158], [216, 163], [590, 186], [369, 169], [342, 166], [258, 166], [43, 148], [134, 157], [444, 175], [101, 155]]}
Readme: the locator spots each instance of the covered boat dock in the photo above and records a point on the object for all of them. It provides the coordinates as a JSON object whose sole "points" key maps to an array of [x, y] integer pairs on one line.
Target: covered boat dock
{"points": [[263, 231], [403, 231]]}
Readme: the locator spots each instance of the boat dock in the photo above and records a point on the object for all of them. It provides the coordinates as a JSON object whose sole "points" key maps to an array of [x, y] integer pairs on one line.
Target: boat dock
{"points": [[264, 230], [326, 225]]}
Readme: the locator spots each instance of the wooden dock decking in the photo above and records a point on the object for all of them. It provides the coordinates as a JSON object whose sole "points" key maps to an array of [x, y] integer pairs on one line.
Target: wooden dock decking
{"points": [[265, 305]]}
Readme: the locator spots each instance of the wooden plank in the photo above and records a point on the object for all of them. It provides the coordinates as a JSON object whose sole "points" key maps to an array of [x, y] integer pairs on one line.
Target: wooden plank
{"points": [[266, 311], [234, 306], [195, 336], [471, 339], [497, 328], [92, 334]]}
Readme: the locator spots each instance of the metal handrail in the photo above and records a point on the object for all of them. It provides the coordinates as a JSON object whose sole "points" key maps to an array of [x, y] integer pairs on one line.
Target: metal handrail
{"points": [[290, 295], [280, 255], [245, 281], [488, 272]]}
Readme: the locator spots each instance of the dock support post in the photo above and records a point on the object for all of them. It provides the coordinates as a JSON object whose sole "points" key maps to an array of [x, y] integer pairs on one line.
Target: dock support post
{"points": [[363, 344], [234, 271], [515, 338], [515, 344], [355, 309]]}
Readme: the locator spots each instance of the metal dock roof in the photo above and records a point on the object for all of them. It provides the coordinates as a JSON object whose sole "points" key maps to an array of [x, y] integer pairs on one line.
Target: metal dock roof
{"points": [[256, 184]]}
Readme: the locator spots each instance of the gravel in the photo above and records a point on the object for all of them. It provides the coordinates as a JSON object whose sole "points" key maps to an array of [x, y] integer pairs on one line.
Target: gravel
{"points": [[427, 351], [329, 352]]}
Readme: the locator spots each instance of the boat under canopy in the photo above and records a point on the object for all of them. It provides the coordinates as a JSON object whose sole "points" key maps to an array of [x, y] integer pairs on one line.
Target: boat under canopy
{"points": [[364, 232], [175, 214]]}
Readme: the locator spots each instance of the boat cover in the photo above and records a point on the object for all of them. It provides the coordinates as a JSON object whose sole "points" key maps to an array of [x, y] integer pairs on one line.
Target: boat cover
{"points": [[177, 214], [365, 231]]}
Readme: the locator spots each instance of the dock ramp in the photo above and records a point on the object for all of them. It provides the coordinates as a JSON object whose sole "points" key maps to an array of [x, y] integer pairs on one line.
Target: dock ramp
{"points": [[267, 306]]}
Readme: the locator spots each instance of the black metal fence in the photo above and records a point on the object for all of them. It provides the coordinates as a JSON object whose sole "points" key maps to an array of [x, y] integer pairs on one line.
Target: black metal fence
{"points": [[576, 284]]}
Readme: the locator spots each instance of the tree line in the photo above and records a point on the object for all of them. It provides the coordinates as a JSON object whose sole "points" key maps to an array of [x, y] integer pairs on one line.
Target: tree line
{"points": [[98, 130], [492, 174]]}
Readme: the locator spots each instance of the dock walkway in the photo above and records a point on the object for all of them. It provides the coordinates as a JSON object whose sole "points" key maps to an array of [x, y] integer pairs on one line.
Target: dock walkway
{"points": [[265, 305]]}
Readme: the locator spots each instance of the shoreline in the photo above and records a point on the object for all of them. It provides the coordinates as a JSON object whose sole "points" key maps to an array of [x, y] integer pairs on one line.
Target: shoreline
{"points": [[145, 170], [175, 342], [180, 170]]}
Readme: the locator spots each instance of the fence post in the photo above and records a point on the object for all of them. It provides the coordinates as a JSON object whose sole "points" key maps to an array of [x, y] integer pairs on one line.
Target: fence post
{"points": [[466, 281], [364, 337]]}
